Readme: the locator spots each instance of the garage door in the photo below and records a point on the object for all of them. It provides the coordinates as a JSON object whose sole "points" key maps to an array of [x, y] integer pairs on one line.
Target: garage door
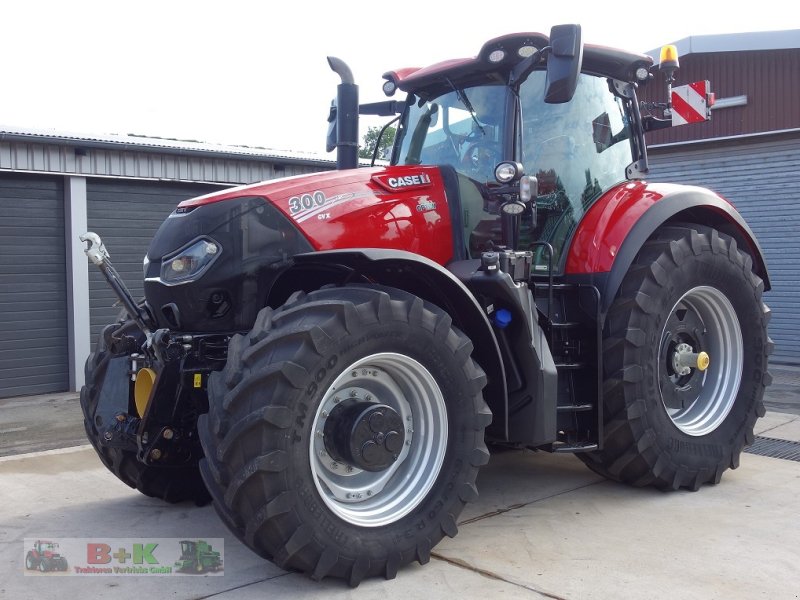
{"points": [[761, 180], [33, 284], [126, 214]]}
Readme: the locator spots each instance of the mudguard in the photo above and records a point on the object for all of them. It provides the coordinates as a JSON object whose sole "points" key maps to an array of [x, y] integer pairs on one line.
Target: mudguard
{"points": [[616, 227], [430, 281]]}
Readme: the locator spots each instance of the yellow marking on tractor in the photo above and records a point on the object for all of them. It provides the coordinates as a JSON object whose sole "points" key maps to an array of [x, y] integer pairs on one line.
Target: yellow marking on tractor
{"points": [[143, 389]]}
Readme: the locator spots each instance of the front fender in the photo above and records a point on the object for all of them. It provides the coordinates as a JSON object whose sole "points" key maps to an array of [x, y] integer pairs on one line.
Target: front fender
{"points": [[426, 279], [616, 227]]}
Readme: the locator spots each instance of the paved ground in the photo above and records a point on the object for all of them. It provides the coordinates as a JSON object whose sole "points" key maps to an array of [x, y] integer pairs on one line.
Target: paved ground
{"points": [[543, 527]]}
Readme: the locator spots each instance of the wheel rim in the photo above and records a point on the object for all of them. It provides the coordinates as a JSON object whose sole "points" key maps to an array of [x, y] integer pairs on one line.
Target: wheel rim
{"points": [[698, 401], [370, 498]]}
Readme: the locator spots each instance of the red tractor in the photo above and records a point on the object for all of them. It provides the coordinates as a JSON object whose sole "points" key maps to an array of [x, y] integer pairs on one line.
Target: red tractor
{"points": [[45, 556], [326, 356]]}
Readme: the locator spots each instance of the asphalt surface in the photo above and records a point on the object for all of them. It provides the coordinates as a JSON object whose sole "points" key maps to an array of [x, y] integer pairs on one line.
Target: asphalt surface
{"points": [[544, 526]]}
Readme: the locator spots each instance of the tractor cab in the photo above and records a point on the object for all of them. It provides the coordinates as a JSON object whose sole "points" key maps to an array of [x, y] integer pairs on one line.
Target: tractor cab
{"points": [[546, 122], [46, 548]]}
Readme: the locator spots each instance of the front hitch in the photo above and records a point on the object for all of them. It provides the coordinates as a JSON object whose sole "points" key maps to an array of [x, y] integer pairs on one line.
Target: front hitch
{"points": [[98, 254]]}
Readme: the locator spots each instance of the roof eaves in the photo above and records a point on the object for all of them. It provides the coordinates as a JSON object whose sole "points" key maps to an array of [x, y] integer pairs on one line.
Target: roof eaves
{"points": [[142, 143], [735, 42]]}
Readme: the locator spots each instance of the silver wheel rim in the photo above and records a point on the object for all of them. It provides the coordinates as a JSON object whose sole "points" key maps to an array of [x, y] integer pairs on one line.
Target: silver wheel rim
{"points": [[712, 393], [373, 499]]}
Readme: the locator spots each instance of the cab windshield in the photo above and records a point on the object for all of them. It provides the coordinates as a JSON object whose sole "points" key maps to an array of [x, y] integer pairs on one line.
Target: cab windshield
{"points": [[462, 128], [577, 150]]}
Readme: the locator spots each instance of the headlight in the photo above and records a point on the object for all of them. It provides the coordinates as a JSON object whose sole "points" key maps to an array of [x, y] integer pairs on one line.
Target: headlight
{"points": [[190, 262]]}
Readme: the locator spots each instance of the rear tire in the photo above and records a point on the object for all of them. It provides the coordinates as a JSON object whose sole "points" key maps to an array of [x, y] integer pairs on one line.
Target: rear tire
{"points": [[689, 289], [171, 484], [268, 463]]}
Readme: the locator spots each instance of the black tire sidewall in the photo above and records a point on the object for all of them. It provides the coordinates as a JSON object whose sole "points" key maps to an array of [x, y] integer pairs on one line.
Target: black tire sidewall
{"points": [[717, 270]]}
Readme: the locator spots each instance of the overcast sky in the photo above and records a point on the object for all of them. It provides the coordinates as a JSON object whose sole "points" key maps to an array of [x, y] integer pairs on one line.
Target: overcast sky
{"points": [[254, 73]]}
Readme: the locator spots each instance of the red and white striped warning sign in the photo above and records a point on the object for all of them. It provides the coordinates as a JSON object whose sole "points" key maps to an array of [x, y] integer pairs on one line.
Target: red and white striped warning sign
{"points": [[691, 103]]}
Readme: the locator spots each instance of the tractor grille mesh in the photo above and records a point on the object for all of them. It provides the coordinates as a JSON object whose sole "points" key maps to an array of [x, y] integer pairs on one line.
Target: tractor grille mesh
{"points": [[764, 446]]}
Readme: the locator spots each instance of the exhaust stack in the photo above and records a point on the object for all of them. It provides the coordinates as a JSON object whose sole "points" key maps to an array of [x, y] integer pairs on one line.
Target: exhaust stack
{"points": [[346, 116]]}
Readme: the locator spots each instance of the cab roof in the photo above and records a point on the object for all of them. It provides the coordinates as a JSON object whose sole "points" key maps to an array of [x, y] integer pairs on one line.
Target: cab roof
{"points": [[597, 60]]}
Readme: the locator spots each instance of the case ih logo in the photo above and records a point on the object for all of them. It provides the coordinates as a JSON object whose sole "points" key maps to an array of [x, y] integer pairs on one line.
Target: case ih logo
{"points": [[405, 182]]}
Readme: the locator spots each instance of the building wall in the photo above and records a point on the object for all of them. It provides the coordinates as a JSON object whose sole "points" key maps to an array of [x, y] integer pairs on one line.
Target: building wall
{"points": [[759, 176], [49, 298], [74, 159], [769, 78]]}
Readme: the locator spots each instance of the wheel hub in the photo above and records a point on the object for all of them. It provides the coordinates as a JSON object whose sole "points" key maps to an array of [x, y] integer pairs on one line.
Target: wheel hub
{"points": [[684, 335], [700, 360], [412, 406], [365, 435]]}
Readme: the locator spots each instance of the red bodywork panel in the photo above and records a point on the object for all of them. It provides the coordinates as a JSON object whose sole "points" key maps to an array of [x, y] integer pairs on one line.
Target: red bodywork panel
{"points": [[402, 208], [606, 225]]}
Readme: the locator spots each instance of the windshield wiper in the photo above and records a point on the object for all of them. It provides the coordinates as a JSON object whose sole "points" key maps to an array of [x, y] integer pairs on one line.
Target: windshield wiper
{"points": [[462, 96]]}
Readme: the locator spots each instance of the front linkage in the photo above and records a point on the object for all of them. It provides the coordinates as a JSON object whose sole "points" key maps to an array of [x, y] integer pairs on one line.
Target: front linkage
{"points": [[154, 386]]}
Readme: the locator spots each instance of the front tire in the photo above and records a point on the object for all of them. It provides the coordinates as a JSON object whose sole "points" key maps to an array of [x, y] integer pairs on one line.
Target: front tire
{"points": [[345, 433], [669, 422], [171, 484]]}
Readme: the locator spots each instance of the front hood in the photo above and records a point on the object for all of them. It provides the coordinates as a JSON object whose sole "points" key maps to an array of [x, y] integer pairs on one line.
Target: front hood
{"points": [[259, 228], [399, 207]]}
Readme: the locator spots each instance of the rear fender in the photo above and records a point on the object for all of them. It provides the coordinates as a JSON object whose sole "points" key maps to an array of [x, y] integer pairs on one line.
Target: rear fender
{"points": [[616, 227], [419, 276]]}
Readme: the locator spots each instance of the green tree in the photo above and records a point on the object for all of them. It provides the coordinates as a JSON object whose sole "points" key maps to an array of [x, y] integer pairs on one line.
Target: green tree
{"points": [[371, 138]]}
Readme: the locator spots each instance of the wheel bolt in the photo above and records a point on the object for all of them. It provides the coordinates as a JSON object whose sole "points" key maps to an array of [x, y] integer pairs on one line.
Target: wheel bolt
{"points": [[324, 414], [155, 454], [168, 434], [108, 435], [368, 398], [349, 469], [334, 465], [353, 394], [354, 374], [369, 492], [408, 442], [336, 400]]}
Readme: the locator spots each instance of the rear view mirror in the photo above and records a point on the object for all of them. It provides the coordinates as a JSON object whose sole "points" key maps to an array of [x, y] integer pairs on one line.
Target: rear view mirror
{"points": [[563, 63], [601, 132]]}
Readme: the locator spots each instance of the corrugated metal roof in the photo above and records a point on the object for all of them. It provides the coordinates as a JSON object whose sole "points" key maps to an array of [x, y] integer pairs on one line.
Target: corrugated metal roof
{"points": [[735, 42], [146, 143]]}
